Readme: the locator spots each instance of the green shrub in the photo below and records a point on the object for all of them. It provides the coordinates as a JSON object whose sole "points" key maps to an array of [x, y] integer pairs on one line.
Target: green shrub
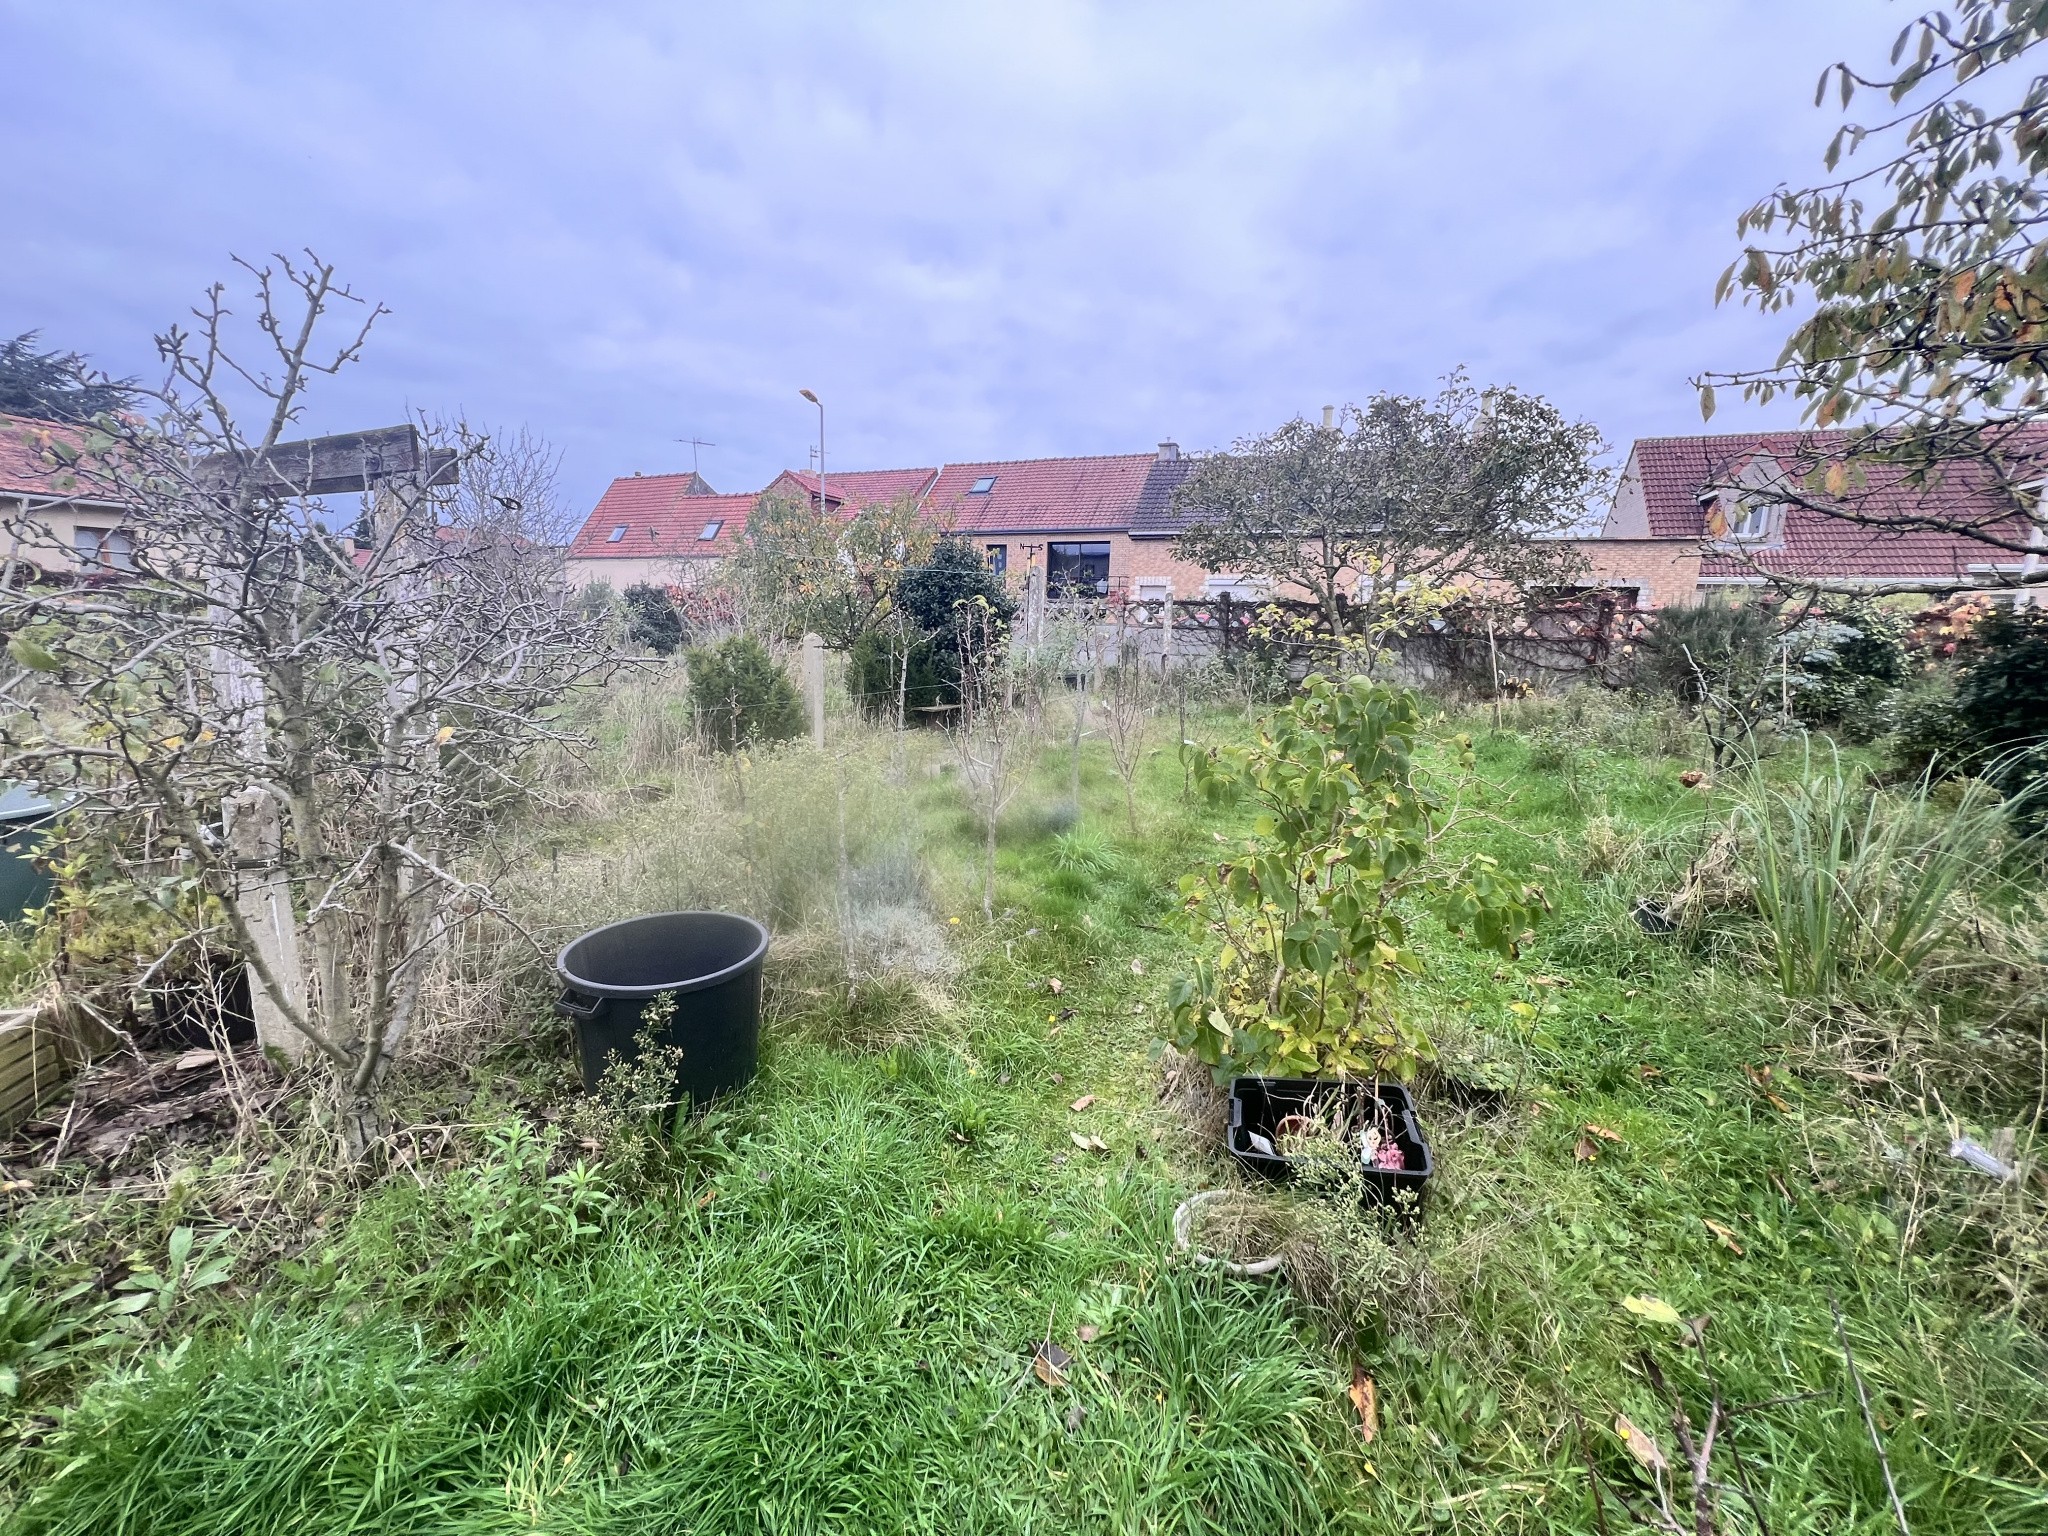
{"points": [[930, 594], [652, 619], [880, 666], [1988, 717], [1305, 935], [1722, 661], [1842, 669], [741, 696]]}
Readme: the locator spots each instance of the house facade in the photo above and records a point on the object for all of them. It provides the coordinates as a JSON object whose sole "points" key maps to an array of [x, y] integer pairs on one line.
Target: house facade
{"points": [[1738, 510], [1097, 525], [51, 520]]}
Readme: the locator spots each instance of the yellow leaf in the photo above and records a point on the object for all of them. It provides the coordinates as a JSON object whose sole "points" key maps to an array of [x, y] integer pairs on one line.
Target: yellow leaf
{"points": [[1365, 1398], [1836, 479], [172, 743], [444, 735], [1726, 1238], [1640, 1445], [1652, 1309]]}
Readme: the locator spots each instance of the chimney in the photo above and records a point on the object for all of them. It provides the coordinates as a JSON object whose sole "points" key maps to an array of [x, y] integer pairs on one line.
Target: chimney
{"points": [[1329, 417], [1169, 451]]}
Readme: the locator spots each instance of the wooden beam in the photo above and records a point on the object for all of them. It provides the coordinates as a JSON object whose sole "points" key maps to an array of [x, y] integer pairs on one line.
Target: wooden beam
{"points": [[336, 465]]}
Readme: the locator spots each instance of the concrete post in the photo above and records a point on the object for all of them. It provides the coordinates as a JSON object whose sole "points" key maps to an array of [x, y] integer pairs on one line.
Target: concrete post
{"points": [[255, 837], [814, 686]]}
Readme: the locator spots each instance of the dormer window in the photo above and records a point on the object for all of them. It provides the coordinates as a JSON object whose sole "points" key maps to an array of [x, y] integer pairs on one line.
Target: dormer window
{"points": [[1752, 522], [710, 530], [982, 486], [616, 534]]}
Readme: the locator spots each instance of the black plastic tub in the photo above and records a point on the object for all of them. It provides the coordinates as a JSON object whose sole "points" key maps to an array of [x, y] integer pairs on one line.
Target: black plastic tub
{"points": [[711, 961], [1258, 1105]]}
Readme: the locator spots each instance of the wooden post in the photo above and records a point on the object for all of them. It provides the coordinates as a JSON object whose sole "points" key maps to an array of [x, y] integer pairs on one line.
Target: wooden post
{"points": [[1166, 634], [814, 686], [255, 838]]}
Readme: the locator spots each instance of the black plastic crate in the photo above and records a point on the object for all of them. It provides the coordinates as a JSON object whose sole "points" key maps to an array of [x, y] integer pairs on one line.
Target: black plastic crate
{"points": [[1261, 1103]]}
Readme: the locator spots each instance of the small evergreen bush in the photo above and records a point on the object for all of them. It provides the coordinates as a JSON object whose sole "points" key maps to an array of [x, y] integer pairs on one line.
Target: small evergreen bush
{"points": [[652, 620], [929, 596], [741, 696], [1841, 670], [879, 666]]}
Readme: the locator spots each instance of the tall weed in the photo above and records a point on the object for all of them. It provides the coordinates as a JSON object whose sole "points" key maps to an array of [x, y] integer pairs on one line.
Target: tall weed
{"points": [[1855, 882]]}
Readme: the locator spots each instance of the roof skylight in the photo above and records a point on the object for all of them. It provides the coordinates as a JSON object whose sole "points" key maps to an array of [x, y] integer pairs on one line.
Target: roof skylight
{"points": [[711, 529], [982, 486], [616, 534]]}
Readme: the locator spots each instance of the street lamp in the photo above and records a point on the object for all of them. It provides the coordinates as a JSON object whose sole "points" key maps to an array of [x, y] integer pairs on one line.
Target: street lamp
{"points": [[821, 445]]}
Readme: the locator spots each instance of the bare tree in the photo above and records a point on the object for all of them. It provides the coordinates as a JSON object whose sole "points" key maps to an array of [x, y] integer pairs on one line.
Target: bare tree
{"points": [[322, 727], [1128, 698], [991, 733]]}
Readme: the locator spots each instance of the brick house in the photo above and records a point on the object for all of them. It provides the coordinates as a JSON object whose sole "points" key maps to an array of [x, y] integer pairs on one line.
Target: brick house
{"points": [[52, 520], [1730, 511], [1092, 525]]}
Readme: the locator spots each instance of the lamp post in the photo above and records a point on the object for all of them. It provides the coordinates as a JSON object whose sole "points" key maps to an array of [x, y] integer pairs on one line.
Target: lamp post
{"points": [[821, 446]]}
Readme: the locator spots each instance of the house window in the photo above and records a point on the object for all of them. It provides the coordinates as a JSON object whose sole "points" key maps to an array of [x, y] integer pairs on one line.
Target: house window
{"points": [[982, 486], [1154, 589], [1077, 570], [1242, 589], [112, 548], [1752, 521], [710, 529], [616, 534], [999, 558]]}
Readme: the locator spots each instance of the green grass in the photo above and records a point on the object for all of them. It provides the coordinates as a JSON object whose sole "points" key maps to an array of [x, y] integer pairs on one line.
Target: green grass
{"points": [[821, 1319]]}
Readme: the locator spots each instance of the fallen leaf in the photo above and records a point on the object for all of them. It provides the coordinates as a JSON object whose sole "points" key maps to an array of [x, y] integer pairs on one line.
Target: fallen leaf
{"points": [[1049, 1363], [1137, 967], [1648, 1072], [1054, 985], [1652, 1309], [1727, 1238], [1058, 1078], [17, 1186], [1088, 1143], [1692, 778], [1779, 1104], [1758, 1075], [1087, 1333], [1585, 1151], [1549, 981], [1640, 1445], [1365, 1398], [193, 1060], [1063, 1015], [1537, 1106], [1602, 1132], [1868, 1079], [1082, 1102], [1631, 994], [1077, 1414], [706, 1198]]}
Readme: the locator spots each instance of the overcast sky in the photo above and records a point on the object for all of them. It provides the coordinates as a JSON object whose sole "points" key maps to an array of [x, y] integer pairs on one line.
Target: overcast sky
{"points": [[977, 231]]}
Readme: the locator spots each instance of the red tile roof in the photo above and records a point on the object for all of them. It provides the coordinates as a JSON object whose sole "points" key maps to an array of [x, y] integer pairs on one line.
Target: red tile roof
{"points": [[1085, 495], [1808, 542], [856, 488], [26, 467], [661, 517]]}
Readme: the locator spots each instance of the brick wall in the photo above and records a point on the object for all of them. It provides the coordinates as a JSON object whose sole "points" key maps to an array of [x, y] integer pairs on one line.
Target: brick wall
{"points": [[1663, 571]]}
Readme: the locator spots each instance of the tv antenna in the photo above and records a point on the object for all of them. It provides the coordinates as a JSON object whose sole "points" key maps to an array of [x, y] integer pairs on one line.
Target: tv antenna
{"points": [[695, 443]]}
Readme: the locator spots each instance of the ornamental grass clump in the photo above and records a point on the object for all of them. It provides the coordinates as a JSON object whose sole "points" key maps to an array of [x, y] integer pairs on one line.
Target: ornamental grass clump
{"points": [[1305, 936]]}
